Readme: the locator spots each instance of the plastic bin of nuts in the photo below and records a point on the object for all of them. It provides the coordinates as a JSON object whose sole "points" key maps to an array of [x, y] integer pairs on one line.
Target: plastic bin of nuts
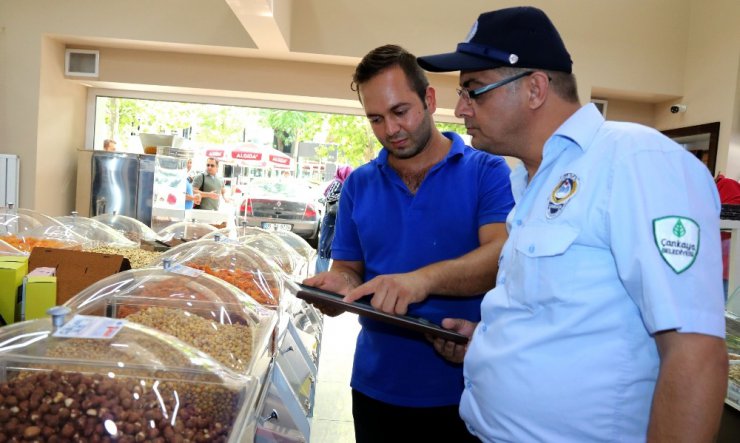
{"points": [[201, 310], [303, 249], [242, 266], [130, 227], [284, 256], [186, 230], [96, 232], [138, 385]]}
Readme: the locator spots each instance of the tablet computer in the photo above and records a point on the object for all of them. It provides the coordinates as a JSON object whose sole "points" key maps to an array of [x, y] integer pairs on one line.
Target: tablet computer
{"points": [[334, 300]]}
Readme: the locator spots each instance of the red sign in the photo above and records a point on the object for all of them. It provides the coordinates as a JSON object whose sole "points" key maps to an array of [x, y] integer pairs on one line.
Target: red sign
{"points": [[279, 159], [246, 155], [215, 153]]}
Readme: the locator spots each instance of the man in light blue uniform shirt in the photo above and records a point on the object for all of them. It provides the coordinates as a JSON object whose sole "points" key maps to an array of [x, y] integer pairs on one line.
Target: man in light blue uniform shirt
{"points": [[607, 320]]}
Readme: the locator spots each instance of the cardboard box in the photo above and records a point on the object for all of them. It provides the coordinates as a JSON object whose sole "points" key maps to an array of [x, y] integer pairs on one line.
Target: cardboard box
{"points": [[12, 271], [40, 294], [76, 270]]}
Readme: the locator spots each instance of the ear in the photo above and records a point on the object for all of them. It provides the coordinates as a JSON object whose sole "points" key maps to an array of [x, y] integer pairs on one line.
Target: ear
{"points": [[430, 99], [539, 88]]}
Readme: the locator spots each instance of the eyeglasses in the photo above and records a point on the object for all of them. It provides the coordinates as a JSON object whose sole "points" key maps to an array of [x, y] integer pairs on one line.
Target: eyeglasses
{"points": [[211, 165], [470, 95]]}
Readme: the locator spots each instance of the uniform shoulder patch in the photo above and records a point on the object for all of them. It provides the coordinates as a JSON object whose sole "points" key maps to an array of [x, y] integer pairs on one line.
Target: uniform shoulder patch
{"points": [[677, 239]]}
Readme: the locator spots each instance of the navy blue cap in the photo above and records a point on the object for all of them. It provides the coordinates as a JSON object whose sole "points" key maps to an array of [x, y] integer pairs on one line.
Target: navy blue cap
{"points": [[521, 37]]}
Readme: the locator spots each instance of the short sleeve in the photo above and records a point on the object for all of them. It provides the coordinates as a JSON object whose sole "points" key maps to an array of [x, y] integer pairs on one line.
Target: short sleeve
{"points": [[663, 222], [496, 199]]}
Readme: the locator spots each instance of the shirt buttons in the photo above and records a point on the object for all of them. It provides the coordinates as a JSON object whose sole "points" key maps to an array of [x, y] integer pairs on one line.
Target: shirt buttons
{"points": [[531, 248], [518, 222], [483, 327], [468, 384]]}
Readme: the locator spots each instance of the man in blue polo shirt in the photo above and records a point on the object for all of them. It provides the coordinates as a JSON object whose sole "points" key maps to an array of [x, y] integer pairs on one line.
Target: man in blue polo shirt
{"points": [[607, 322], [421, 228]]}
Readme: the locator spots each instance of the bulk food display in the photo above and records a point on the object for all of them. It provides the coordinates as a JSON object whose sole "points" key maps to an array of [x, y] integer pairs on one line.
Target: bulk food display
{"points": [[14, 221], [130, 227], [199, 309], [131, 385], [58, 237], [287, 259], [186, 230], [7, 249], [96, 232], [23, 230], [732, 323], [242, 266], [298, 244]]}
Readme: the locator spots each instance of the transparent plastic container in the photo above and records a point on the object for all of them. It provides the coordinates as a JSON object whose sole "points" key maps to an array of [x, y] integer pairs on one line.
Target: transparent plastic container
{"points": [[130, 227], [303, 249], [96, 232], [283, 255], [227, 232], [17, 221], [53, 236], [23, 229], [186, 230], [201, 310], [242, 266], [7, 249], [139, 385], [12, 223]]}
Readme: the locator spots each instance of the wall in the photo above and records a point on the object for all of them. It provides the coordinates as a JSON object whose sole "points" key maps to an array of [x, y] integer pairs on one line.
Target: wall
{"points": [[61, 129], [630, 111], [710, 87], [634, 51]]}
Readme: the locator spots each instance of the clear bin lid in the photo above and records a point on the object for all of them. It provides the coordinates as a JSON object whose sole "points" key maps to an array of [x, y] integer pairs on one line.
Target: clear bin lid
{"points": [[201, 310], [52, 236], [296, 242], [7, 249], [140, 384], [284, 256], [242, 266], [13, 221], [130, 227], [187, 230], [95, 231], [227, 232]]}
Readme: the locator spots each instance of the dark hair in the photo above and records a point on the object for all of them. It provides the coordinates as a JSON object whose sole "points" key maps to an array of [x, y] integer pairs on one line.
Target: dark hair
{"points": [[387, 56], [215, 160], [562, 83]]}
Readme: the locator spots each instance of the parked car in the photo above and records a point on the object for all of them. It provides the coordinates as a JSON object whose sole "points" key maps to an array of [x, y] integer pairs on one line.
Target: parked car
{"points": [[282, 205]]}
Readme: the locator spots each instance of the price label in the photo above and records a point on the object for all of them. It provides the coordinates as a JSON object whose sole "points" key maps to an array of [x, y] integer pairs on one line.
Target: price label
{"points": [[185, 270], [86, 326]]}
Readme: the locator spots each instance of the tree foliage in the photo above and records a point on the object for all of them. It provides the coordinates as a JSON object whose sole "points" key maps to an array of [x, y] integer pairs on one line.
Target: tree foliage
{"points": [[350, 135]]}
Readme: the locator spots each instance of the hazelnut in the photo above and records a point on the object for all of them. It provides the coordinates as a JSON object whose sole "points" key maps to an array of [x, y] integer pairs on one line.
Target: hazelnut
{"points": [[31, 432]]}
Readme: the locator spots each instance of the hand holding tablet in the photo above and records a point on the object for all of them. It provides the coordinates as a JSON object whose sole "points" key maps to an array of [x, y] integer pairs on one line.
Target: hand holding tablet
{"points": [[320, 296]]}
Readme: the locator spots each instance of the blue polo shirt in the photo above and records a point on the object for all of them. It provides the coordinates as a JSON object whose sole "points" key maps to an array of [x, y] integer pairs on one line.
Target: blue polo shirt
{"points": [[391, 230]]}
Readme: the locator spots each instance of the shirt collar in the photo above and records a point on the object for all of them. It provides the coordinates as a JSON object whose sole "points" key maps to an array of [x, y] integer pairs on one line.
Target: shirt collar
{"points": [[457, 149], [581, 127]]}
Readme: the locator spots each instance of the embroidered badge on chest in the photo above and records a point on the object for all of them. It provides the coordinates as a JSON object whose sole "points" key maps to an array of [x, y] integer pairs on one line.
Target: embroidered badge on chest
{"points": [[561, 194], [677, 239]]}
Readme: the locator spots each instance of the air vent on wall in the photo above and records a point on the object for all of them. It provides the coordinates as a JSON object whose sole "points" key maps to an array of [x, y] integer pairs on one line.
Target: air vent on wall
{"points": [[81, 62]]}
